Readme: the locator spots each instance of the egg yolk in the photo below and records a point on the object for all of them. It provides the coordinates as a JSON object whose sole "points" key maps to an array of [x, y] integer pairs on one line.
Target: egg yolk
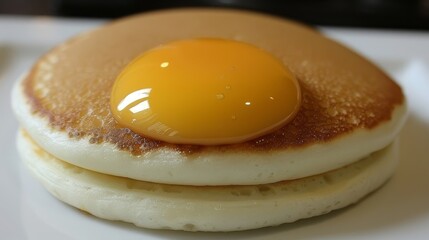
{"points": [[205, 91]]}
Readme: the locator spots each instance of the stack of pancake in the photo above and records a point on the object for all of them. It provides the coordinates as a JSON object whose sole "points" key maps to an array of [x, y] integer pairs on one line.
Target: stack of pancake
{"points": [[339, 147]]}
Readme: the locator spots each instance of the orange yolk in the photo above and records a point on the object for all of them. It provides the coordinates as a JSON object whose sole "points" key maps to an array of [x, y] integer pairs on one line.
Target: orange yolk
{"points": [[206, 92]]}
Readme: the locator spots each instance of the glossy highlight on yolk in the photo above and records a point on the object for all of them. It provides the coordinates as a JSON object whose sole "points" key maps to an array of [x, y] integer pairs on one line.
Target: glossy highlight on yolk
{"points": [[205, 91]]}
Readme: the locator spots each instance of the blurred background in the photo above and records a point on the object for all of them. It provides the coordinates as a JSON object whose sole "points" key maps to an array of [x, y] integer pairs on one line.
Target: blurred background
{"points": [[389, 14]]}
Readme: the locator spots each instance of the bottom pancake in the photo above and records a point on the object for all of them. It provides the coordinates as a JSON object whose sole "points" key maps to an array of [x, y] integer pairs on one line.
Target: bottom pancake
{"points": [[206, 208]]}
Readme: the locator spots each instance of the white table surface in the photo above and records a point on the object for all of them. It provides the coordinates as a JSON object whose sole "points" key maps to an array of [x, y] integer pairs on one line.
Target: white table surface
{"points": [[400, 210]]}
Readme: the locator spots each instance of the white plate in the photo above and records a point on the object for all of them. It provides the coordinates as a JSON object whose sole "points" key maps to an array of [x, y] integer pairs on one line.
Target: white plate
{"points": [[400, 210]]}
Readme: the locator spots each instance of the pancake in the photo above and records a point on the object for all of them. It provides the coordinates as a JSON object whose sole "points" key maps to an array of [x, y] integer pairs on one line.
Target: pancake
{"points": [[206, 208], [63, 103]]}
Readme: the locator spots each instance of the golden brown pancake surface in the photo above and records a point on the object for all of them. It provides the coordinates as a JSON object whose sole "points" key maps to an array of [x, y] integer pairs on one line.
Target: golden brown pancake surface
{"points": [[342, 92]]}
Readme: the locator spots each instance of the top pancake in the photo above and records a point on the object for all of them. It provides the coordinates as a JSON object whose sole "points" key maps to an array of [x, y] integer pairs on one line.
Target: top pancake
{"points": [[342, 92]]}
